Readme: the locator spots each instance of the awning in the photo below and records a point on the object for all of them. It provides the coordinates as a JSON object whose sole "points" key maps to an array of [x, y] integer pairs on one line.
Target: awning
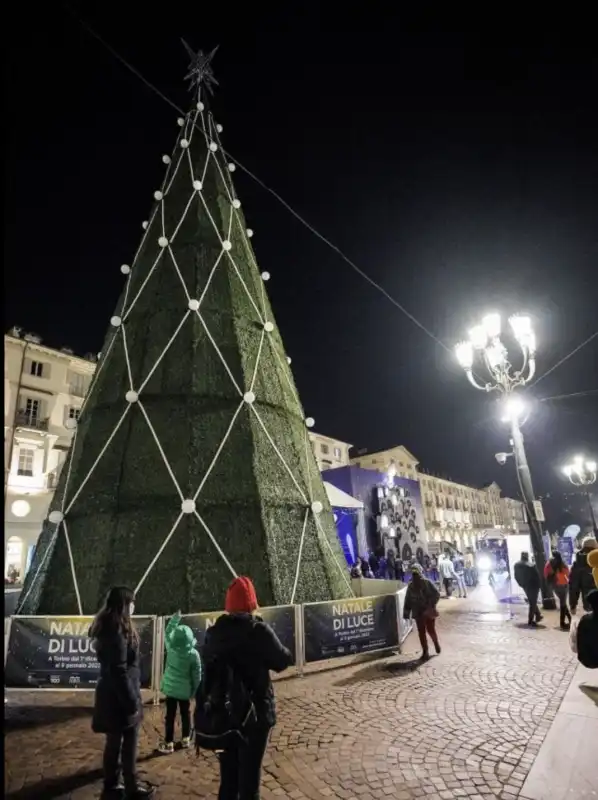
{"points": [[340, 499]]}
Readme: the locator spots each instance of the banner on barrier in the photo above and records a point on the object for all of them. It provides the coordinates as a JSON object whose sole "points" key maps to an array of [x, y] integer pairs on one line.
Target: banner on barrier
{"points": [[280, 618], [57, 653], [337, 628]]}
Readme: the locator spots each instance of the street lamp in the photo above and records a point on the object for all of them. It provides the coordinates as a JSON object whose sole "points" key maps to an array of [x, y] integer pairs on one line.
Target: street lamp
{"points": [[583, 473], [484, 341]]}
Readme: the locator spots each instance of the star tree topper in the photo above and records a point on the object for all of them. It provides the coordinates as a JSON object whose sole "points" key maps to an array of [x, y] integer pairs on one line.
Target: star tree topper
{"points": [[200, 68]]}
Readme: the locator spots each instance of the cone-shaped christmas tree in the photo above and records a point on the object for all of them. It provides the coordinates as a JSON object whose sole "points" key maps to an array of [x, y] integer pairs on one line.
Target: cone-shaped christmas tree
{"points": [[191, 461]]}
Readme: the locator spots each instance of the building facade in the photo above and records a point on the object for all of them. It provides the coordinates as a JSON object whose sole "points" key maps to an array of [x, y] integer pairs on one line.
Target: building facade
{"points": [[44, 388], [454, 513], [329, 453]]}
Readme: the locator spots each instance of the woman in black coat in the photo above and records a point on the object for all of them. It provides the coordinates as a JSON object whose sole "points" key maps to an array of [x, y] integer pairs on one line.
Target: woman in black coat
{"points": [[118, 707]]}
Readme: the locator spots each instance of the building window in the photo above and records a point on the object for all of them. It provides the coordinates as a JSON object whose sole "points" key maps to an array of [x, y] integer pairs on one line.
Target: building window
{"points": [[25, 463], [325, 449], [72, 412], [13, 561], [77, 384], [38, 369], [32, 410], [337, 452]]}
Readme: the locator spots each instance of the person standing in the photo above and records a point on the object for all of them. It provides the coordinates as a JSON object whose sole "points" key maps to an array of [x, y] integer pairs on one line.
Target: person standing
{"points": [[581, 581], [556, 573], [180, 682], [528, 578], [118, 708], [241, 642], [374, 563], [459, 568], [447, 572], [421, 600]]}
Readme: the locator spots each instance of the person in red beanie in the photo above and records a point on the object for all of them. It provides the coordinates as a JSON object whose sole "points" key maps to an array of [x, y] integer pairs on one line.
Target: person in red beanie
{"points": [[240, 640]]}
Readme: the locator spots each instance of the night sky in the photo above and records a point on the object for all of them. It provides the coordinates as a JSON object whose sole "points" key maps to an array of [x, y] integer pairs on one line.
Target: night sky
{"points": [[458, 172]]}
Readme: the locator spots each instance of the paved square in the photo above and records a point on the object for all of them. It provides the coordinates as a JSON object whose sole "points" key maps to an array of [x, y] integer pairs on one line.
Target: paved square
{"points": [[468, 724]]}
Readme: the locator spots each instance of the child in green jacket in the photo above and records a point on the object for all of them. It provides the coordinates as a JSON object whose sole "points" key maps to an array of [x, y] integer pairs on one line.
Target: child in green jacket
{"points": [[180, 681]]}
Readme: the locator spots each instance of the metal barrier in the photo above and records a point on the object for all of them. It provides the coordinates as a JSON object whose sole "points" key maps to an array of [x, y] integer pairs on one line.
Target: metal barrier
{"points": [[55, 653]]}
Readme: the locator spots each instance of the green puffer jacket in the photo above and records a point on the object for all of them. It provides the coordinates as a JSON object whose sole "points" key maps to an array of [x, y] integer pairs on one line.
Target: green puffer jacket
{"points": [[182, 674]]}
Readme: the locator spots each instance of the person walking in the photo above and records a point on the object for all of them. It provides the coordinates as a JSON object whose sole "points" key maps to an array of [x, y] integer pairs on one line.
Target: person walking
{"points": [[421, 599], [528, 578], [118, 708], [447, 572], [243, 643], [180, 682], [556, 573], [581, 581]]}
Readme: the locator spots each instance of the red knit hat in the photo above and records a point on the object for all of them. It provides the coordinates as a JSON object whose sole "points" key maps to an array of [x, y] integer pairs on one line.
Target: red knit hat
{"points": [[241, 597]]}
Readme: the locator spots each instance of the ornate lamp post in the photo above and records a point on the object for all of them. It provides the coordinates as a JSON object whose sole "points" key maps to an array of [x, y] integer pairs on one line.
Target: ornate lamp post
{"points": [[484, 342], [583, 473]]}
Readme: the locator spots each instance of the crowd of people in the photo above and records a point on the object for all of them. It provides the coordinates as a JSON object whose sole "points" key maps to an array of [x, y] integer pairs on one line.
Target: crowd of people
{"points": [[231, 683]]}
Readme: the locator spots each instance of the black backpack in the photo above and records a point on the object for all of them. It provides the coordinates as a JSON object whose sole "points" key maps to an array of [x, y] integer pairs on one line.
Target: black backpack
{"points": [[587, 641], [224, 710]]}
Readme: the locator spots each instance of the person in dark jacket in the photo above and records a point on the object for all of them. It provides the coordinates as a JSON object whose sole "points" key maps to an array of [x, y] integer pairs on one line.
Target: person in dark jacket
{"points": [[241, 640], [581, 582], [421, 600], [587, 634], [118, 707], [528, 578]]}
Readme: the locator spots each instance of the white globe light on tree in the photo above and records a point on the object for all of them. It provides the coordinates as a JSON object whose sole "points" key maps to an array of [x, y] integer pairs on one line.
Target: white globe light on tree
{"points": [[226, 245], [55, 517], [166, 159], [158, 195], [184, 144], [193, 305], [197, 185], [265, 276], [269, 327], [249, 397], [310, 422], [317, 507], [249, 232], [115, 322], [125, 269], [163, 241], [188, 506], [131, 396]]}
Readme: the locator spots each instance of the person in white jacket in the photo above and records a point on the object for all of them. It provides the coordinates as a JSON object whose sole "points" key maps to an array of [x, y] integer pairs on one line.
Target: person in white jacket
{"points": [[447, 572]]}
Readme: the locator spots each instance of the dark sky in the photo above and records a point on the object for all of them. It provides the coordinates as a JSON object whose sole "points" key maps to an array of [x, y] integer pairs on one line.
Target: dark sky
{"points": [[459, 172]]}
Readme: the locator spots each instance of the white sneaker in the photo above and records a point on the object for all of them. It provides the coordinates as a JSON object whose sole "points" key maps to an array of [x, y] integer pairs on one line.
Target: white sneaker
{"points": [[166, 748], [186, 742]]}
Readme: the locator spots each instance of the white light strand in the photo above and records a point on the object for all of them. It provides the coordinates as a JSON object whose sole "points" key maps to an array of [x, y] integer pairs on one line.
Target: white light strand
{"points": [[68, 545], [159, 553], [279, 454], [39, 569], [98, 459], [218, 451], [216, 545], [127, 360], [162, 453], [299, 556]]}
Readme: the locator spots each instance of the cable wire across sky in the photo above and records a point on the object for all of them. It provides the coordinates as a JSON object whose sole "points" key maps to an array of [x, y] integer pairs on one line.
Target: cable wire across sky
{"points": [[298, 216]]}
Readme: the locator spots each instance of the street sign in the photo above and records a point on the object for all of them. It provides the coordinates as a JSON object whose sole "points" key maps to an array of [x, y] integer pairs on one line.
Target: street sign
{"points": [[539, 511]]}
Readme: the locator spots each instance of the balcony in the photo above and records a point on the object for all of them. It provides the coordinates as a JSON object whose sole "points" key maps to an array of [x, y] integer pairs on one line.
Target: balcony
{"points": [[26, 420]]}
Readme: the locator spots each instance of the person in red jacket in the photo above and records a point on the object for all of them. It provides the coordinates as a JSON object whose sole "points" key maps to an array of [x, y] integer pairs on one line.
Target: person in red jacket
{"points": [[556, 573]]}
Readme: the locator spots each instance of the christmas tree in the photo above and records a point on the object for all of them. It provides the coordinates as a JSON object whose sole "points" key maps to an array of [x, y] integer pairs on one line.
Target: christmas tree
{"points": [[191, 461]]}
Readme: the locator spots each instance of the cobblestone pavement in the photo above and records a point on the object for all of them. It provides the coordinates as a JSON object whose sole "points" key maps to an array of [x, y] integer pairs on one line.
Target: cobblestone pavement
{"points": [[468, 724]]}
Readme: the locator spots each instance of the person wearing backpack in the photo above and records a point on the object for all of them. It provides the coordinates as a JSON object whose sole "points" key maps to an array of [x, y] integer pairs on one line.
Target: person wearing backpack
{"points": [[180, 681], [235, 709], [556, 573]]}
